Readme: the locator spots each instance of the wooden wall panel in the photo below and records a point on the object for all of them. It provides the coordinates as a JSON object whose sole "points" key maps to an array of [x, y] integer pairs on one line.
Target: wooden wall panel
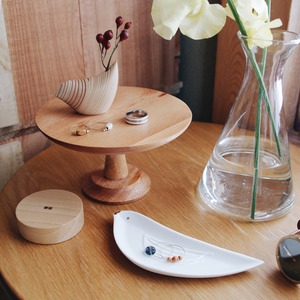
{"points": [[292, 78], [52, 41], [230, 62], [96, 17], [145, 59], [150, 58], [45, 47]]}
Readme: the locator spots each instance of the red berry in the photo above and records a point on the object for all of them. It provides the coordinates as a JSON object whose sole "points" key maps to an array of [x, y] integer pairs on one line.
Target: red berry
{"points": [[124, 35], [108, 35], [128, 25], [106, 45], [99, 38], [119, 21]]}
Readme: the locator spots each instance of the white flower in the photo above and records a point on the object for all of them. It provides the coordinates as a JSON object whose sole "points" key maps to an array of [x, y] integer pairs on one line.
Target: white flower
{"points": [[249, 10], [255, 19], [259, 33], [196, 19]]}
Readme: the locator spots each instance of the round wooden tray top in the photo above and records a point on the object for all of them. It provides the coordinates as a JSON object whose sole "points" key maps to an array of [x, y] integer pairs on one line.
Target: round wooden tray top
{"points": [[168, 118], [117, 183]]}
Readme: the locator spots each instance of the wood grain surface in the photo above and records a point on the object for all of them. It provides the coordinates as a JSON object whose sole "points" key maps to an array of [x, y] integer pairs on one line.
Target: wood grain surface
{"points": [[168, 117], [50, 216], [90, 265]]}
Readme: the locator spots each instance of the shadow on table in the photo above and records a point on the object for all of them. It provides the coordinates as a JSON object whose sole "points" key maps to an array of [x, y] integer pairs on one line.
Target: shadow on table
{"points": [[6, 292]]}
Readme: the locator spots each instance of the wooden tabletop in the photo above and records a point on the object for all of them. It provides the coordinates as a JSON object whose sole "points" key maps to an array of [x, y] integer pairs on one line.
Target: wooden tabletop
{"points": [[91, 266]]}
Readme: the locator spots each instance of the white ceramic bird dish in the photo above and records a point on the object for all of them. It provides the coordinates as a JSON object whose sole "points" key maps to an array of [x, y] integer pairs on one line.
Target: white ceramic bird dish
{"points": [[159, 249]]}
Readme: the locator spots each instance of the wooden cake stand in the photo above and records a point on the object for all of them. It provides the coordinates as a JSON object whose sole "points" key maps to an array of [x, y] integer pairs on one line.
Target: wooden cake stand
{"points": [[118, 182]]}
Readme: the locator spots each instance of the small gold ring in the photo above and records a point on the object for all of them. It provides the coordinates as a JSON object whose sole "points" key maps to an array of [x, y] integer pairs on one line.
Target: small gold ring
{"points": [[79, 130]]}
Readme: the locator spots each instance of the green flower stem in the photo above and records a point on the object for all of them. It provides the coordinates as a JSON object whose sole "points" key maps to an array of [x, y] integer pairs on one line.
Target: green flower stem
{"points": [[269, 3], [266, 99], [237, 17], [257, 131], [263, 94], [257, 141]]}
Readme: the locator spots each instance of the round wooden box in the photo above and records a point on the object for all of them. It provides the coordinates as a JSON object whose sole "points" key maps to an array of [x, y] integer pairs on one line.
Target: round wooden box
{"points": [[50, 216]]}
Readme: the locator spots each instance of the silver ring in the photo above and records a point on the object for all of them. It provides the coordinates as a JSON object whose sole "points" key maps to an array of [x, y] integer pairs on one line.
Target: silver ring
{"points": [[136, 117]]}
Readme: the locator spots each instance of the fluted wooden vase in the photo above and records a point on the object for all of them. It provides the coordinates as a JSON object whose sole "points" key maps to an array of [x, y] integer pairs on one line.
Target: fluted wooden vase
{"points": [[91, 96]]}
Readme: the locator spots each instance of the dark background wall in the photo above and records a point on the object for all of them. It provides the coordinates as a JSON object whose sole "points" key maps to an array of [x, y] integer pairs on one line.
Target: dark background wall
{"points": [[197, 73]]}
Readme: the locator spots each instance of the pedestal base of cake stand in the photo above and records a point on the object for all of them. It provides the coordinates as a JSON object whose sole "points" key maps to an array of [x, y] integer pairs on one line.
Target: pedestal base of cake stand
{"points": [[117, 183]]}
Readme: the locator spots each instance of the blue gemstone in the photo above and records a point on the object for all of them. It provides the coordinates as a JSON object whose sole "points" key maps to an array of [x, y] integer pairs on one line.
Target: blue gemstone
{"points": [[150, 250]]}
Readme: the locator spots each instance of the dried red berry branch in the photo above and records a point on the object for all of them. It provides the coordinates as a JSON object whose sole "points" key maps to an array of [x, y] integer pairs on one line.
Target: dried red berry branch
{"points": [[104, 40]]}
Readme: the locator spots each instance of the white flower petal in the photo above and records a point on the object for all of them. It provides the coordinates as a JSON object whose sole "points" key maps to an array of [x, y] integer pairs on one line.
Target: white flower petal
{"points": [[242, 7], [261, 8], [254, 16], [259, 34], [204, 22], [167, 15], [249, 10], [275, 23]]}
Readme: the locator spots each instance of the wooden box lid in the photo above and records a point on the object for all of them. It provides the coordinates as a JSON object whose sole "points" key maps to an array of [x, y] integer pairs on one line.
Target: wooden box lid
{"points": [[50, 216]]}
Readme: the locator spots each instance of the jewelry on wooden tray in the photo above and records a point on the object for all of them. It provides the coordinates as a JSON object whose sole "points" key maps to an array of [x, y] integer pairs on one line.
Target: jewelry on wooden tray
{"points": [[167, 252], [83, 129], [136, 117]]}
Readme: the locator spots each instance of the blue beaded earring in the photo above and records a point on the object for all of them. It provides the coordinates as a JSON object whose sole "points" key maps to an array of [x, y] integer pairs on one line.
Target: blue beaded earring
{"points": [[169, 257]]}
